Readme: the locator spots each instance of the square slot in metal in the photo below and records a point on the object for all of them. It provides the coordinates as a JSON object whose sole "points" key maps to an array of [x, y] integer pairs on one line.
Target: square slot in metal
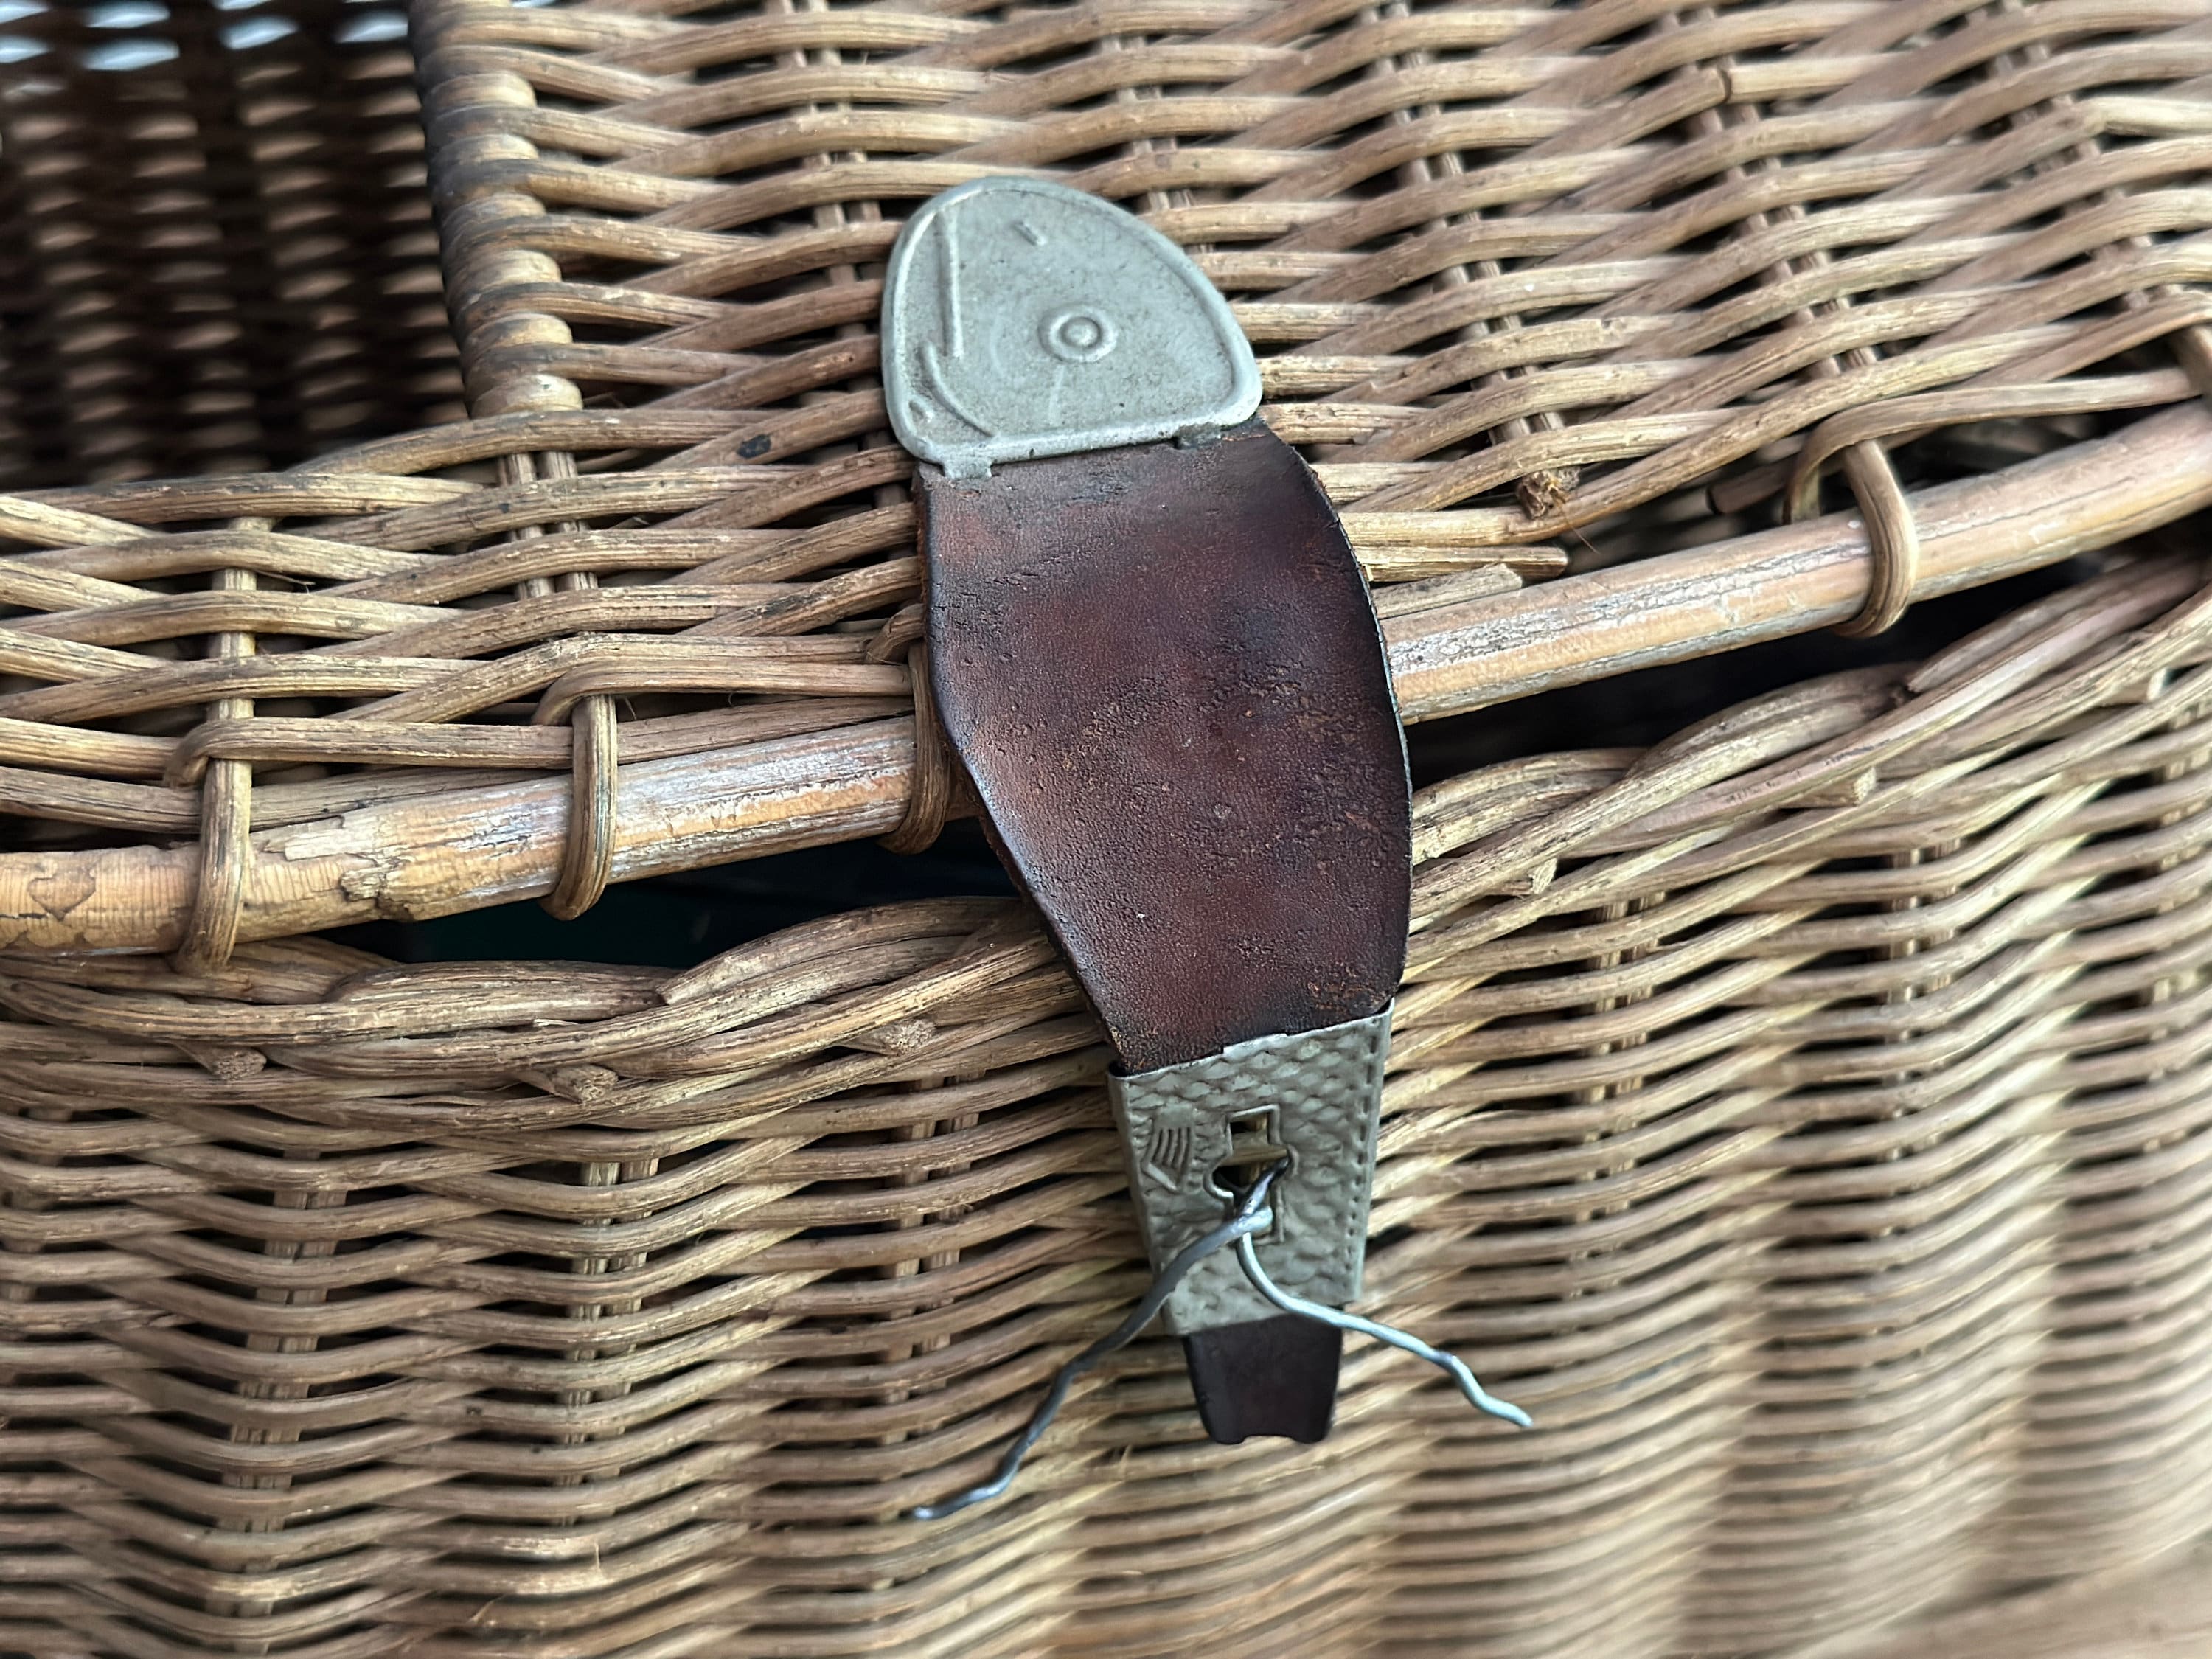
{"points": [[1255, 1140]]}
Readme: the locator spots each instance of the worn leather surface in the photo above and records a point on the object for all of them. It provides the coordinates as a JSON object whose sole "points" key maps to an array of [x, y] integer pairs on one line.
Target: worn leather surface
{"points": [[1162, 670], [1160, 667], [1270, 1377]]}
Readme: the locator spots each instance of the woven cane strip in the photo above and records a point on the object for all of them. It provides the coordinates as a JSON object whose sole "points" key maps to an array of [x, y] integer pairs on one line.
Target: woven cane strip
{"points": [[1802, 1117], [411, 733]]}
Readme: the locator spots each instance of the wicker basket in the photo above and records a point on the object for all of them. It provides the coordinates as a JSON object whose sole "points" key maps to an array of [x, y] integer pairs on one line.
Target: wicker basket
{"points": [[1806, 1115]]}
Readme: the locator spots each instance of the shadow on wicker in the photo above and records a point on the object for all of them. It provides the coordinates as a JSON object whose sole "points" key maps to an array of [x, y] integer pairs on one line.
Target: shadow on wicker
{"points": [[216, 252]]}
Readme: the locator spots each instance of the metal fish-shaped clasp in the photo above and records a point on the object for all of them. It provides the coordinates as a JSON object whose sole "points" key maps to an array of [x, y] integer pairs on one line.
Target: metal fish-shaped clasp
{"points": [[1023, 319]]}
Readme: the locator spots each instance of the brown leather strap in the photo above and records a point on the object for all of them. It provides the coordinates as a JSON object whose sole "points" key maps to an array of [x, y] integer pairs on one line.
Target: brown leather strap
{"points": [[1160, 667]]}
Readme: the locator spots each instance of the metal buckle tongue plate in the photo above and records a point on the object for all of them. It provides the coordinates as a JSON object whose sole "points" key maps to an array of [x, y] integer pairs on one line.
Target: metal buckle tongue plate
{"points": [[1153, 651], [1194, 1135], [1313, 1099]]}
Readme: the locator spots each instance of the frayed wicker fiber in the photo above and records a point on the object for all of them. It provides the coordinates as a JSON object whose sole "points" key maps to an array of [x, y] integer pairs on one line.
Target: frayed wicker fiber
{"points": [[1806, 1118], [216, 246]]}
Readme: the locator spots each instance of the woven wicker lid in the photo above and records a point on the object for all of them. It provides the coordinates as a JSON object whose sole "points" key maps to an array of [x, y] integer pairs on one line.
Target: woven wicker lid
{"points": [[1805, 1116], [1611, 286]]}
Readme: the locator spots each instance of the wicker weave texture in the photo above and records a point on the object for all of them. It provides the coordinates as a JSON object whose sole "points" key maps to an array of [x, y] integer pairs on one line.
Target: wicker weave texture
{"points": [[1807, 1119], [216, 246], [1528, 285], [1535, 264]]}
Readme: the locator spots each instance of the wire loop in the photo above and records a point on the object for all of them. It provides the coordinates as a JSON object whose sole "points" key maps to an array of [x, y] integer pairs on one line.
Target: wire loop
{"points": [[1249, 1216]]}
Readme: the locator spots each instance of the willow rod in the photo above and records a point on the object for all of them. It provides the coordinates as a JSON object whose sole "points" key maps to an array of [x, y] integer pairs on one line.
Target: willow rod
{"points": [[436, 855]]}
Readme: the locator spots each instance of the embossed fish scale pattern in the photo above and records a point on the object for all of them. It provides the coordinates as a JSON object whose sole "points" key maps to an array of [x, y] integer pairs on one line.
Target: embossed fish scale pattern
{"points": [[1319, 1089]]}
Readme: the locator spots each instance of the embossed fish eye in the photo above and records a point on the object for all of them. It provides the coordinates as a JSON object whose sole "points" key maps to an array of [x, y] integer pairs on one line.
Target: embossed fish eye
{"points": [[1078, 336], [1023, 319]]}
